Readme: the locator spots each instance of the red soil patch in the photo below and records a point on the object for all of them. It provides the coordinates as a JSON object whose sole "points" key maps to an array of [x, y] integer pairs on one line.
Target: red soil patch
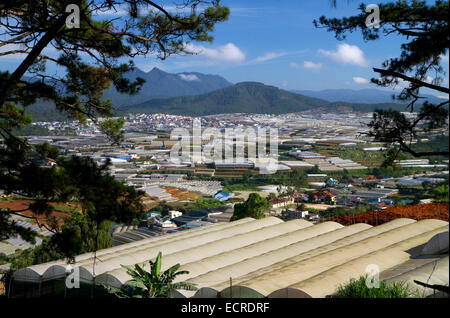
{"points": [[15, 205], [182, 194], [416, 212]]}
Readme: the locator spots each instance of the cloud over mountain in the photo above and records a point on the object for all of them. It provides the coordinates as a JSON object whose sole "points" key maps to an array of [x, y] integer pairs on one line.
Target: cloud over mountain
{"points": [[229, 53], [347, 54]]}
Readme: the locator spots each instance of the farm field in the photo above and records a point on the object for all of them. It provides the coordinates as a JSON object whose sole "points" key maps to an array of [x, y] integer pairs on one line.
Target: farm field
{"points": [[417, 212], [182, 194], [61, 211], [370, 159], [320, 207]]}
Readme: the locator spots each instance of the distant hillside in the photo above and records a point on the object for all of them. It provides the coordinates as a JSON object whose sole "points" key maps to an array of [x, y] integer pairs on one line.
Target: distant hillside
{"points": [[160, 84], [247, 97], [45, 111], [365, 96]]}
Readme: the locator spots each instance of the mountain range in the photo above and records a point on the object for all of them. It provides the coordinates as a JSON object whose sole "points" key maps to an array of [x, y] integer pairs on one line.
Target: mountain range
{"points": [[197, 94], [247, 97], [365, 96], [160, 84]]}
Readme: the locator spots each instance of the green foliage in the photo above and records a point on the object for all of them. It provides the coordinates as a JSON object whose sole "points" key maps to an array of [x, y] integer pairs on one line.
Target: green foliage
{"points": [[357, 288], [314, 170], [76, 179], [207, 203], [33, 130], [425, 29], [41, 254], [113, 129], [162, 207], [295, 178], [77, 236], [254, 207], [81, 235], [438, 143], [9, 227], [89, 65], [80, 92], [342, 211], [380, 172], [152, 284], [441, 193]]}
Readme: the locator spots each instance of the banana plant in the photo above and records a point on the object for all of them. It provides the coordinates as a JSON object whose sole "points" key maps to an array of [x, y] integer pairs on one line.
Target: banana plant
{"points": [[152, 284]]}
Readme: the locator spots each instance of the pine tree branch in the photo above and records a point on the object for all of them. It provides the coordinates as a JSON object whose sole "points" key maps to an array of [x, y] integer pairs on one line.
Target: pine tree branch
{"points": [[440, 288], [14, 40], [411, 80], [406, 148], [31, 57]]}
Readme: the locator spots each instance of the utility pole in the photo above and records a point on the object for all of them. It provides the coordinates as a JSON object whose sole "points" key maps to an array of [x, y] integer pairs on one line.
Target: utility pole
{"points": [[231, 287]]}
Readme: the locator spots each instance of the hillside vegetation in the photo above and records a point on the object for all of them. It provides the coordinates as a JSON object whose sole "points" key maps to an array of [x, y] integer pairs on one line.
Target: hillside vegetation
{"points": [[247, 97]]}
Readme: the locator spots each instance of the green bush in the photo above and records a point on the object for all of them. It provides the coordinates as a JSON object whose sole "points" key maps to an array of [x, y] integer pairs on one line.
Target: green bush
{"points": [[254, 207], [357, 288]]}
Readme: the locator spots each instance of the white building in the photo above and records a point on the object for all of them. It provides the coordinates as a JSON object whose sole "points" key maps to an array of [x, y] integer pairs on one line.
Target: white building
{"points": [[174, 214]]}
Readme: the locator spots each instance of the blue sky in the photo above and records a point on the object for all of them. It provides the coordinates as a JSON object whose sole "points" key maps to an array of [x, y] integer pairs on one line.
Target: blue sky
{"points": [[275, 42], [281, 47]]}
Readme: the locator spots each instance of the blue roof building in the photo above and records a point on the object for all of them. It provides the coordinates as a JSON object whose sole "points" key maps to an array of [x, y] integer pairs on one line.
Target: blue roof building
{"points": [[222, 196]]}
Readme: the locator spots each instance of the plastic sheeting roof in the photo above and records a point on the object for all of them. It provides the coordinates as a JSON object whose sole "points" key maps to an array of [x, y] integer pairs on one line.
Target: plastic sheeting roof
{"points": [[432, 273], [266, 257], [437, 243]]}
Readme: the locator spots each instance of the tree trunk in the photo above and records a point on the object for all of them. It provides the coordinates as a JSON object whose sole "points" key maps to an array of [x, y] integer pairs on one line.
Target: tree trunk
{"points": [[9, 85]]}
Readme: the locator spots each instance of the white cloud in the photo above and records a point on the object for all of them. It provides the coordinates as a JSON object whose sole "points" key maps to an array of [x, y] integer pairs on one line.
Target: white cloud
{"points": [[189, 77], [442, 96], [272, 56], [360, 80], [295, 65], [268, 57], [306, 64], [229, 53], [444, 58], [147, 66], [348, 54], [401, 84], [312, 66], [429, 79]]}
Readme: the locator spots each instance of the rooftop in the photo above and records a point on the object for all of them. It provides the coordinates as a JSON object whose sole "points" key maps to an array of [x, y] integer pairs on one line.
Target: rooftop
{"points": [[263, 256]]}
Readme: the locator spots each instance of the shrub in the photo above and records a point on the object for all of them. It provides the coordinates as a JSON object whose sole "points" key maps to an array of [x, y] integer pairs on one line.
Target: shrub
{"points": [[357, 288]]}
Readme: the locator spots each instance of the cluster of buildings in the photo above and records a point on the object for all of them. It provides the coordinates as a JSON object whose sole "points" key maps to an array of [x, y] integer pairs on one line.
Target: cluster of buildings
{"points": [[156, 224], [311, 159], [418, 163]]}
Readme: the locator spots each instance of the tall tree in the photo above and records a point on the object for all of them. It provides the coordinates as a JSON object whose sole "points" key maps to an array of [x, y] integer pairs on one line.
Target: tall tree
{"points": [[254, 207], [91, 60], [426, 32]]}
